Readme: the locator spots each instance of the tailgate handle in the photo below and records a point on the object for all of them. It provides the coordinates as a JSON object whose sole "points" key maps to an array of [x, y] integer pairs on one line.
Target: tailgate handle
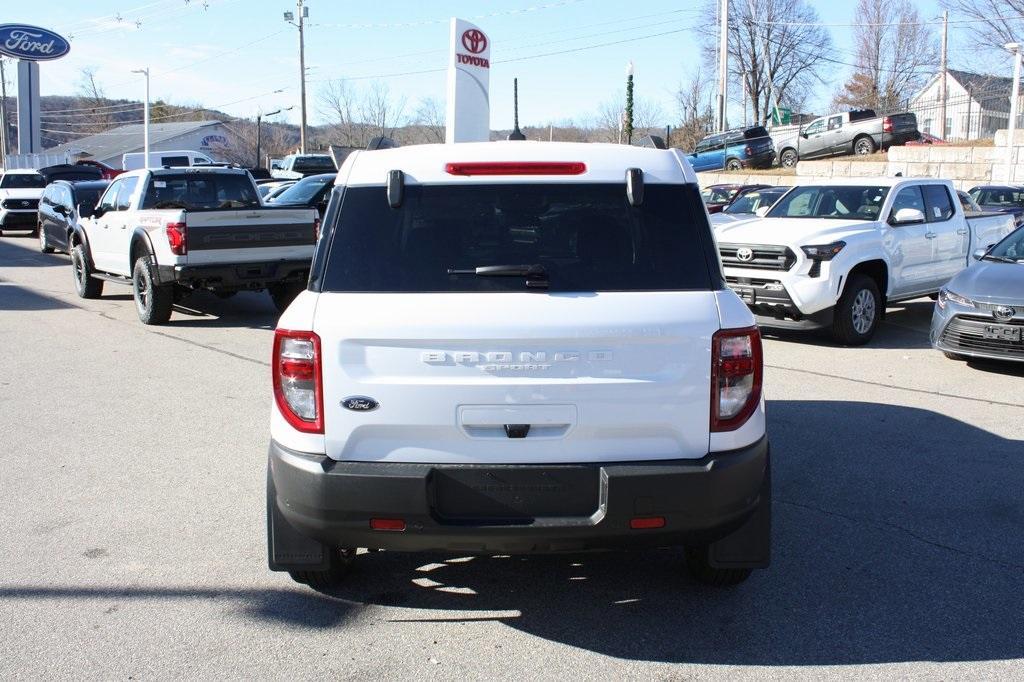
{"points": [[517, 430]]}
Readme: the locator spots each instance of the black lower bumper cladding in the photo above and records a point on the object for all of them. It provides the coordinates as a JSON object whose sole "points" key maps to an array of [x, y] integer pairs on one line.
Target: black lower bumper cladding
{"points": [[255, 275], [315, 504]]}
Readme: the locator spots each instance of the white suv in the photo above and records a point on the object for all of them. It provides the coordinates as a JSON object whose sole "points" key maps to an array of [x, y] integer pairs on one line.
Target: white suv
{"points": [[517, 347]]}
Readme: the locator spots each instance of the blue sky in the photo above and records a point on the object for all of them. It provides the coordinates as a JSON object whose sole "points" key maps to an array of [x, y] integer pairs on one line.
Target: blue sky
{"points": [[236, 54]]}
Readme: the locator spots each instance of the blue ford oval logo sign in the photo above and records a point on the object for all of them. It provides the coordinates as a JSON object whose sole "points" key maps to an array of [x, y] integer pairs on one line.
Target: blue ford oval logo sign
{"points": [[32, 43], [359, 403]]}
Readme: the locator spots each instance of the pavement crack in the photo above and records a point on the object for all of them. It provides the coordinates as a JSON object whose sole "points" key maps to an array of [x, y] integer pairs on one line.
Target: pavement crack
{"points": [[889, 525], [865, 382], [213, 348]]}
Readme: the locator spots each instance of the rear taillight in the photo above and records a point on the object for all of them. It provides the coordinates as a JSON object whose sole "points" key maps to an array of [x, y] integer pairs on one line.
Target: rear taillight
{"points": [[736, 370], [298, 384], [177, 237], [748, 150], [886, 125]]}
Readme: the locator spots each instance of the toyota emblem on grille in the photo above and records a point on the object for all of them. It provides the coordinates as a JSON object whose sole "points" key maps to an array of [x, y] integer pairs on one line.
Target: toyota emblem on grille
{"points": [[24, 203], [1003, 312], [744, 254]]}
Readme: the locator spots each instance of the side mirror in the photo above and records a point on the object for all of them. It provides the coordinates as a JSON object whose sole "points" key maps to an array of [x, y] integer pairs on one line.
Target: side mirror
{"points": [[980, 253], [96, 212], [60, 210], [763, 211], [906, 216], [803, 134]]}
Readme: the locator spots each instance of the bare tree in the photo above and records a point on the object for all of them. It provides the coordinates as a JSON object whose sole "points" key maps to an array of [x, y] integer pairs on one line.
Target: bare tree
{"points": [[996, 22], [381, 115], [429, 120], [338, 102], [91, 93], [647, 118], [896, 53], [774, 45], [695, 115], [356, 117]]}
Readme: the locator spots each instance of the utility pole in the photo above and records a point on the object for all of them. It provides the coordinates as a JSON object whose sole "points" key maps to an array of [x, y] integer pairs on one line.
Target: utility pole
{"points": [[3, 115], [145, 119], [942, 68], [301, 16], [723, 62], [1015, 48]]}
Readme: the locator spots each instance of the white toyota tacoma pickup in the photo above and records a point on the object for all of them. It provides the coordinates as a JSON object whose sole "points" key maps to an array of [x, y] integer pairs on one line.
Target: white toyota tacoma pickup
{"points": [[516, 347], [167, 231], [20, 191], [832, 255]]}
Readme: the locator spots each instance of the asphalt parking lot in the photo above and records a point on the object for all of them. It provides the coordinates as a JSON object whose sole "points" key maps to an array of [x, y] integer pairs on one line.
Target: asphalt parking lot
{"points": [[132, 471]]}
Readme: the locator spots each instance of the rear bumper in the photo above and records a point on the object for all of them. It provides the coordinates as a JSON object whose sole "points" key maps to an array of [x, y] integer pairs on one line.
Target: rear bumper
{"points": [[762, 160], [897, 139], [702, 501], [252, 275]]}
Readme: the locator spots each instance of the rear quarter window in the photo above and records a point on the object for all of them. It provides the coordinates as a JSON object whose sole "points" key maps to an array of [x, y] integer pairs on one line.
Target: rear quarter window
{"points": [[585, 236]]}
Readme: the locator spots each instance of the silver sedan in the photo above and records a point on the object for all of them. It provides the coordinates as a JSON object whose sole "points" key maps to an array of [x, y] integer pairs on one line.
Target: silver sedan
{"points": [[980, 312]]}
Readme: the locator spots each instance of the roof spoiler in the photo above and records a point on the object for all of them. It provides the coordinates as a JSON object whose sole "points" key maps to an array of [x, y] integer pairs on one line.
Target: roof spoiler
{"points": [[381, 142], [653, 142]]}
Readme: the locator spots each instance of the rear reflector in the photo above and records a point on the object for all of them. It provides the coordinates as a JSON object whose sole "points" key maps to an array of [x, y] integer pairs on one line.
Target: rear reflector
{"points": [[643, 522], [387, 524], [517, 168]]}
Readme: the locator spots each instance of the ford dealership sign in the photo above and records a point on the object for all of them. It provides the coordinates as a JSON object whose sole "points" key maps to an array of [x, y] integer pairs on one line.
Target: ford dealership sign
{"points": [[32, 43]]}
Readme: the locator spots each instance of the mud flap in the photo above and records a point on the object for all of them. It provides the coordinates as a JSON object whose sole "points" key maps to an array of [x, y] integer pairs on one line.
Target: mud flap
{"points": [[287, 549], [749, 546]]}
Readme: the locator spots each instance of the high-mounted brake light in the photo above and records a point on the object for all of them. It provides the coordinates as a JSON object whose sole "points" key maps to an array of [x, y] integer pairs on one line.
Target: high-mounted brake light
{"points": [[516, 168], [177, 238], [298, 380], [736, 370]]}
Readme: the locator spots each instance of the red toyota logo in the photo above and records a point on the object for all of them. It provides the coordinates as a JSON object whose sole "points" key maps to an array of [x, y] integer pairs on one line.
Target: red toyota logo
{"points": [[474, 40]]}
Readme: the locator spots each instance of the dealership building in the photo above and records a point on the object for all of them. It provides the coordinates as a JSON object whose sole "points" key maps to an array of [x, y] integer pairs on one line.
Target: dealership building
{"points": [[110, 146]]}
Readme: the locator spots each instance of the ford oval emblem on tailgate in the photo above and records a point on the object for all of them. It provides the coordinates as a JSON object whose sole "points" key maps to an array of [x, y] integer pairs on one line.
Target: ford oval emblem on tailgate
{"points": [[359, 403]]}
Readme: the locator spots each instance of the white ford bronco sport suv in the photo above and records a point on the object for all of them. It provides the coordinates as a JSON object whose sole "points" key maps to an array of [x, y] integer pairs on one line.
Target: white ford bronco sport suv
{"points": [[517, 347]]}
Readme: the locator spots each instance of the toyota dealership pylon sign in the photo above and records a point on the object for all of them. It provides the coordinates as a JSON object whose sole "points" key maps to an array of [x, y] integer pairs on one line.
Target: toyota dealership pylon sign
{"points": [[468, 110]]}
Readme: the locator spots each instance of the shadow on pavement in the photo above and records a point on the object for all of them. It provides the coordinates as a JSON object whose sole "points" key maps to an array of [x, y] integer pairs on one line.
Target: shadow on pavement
{"points": [[14, 297], [899, 536], [26, 254], [249, 309], [905, 327]]}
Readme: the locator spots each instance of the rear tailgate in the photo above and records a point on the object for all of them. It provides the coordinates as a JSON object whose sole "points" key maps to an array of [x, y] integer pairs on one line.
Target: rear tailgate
{"points": [[252, 235], [903, 123]]}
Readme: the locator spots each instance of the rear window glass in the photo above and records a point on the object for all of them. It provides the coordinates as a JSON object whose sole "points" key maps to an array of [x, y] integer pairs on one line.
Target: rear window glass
{"points": [[583, 237], [755, 132], [998, 196], [198, 191], [939, 205], [320, 164], [23, 181]]}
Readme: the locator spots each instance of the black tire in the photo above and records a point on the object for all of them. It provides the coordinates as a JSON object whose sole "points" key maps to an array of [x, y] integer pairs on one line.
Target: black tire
{"points": [[35, 231], [86, 285], [789, 158], [733, 164], [283, 294], [153, 302], [863, 146], [331, 578], [703, 572], [858, 312], [955, 356], [44, 246]]}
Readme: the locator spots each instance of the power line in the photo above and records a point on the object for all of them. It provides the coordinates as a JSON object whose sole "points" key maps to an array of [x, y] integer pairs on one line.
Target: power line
{"points": [[428, 22], [929, 22]]}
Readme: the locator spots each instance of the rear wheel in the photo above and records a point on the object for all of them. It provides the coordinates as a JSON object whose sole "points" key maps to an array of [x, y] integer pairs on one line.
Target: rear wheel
{"points": [[152, 302], [86, 285], [788, 158], [858, 312], [332, 577], [733, 165], [44, 246], [863, 146], [283, 294], [699, 566]]}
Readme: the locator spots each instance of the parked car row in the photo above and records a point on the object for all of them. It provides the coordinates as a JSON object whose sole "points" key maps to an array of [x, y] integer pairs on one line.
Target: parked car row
{"points": [[833, 255], [858, 132]]}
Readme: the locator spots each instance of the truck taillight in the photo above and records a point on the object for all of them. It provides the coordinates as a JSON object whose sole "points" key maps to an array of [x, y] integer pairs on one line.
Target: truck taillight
{"points": [[736, 371], [748, 150], [886, 125], [177, 237], [298, 382]]}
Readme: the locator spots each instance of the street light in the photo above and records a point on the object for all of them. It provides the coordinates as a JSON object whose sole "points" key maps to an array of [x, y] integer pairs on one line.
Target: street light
{"points": [[145, 119], [259, 129], [629, 103], [301, 15], [1014, 48]]}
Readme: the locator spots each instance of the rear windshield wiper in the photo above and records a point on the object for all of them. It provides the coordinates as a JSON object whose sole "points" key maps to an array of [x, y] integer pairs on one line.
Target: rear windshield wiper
{"points": [[536, 275], [1000, 259]]}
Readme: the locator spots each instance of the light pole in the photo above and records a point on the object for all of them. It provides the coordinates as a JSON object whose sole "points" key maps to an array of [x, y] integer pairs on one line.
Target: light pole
{"points": [[302, 14], [628, 127], [259, 130], [1014, 96], [145, 119]]}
